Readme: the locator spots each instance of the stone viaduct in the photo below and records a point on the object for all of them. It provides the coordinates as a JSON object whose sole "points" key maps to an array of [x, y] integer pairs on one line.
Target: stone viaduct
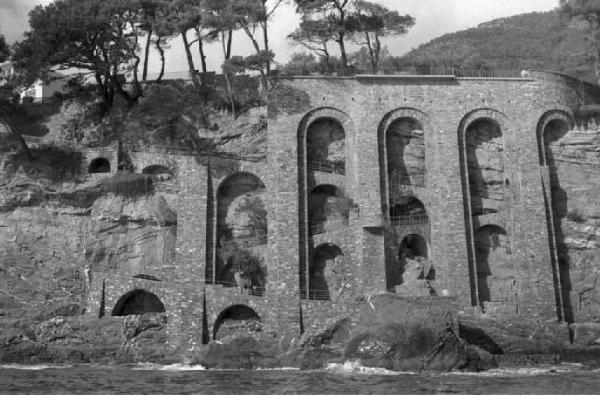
{"points": [[363, 176]]}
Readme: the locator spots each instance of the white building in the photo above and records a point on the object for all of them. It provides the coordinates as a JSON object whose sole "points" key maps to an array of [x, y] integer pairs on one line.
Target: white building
{"points": [[7, 70], [41, 91]]}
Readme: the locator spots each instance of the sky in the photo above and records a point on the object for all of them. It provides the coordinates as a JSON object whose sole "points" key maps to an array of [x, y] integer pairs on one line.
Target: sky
{"points": [[433, 18]]}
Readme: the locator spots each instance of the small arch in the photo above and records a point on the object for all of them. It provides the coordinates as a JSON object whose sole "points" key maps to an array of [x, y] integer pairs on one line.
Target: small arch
{"points": [[237, 320], [99, 165], [485, 159], [326, 272], [413, 255], [405, 150], [552, 126], [408, 206], [158, 172], [136, 302], [326, 146]]}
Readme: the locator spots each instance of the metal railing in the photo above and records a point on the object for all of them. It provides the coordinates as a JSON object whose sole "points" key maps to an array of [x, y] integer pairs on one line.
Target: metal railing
{"points": [[459, 72], [32, 140], [315, 294], [486, 206], [327, 226], [409, 220], [417, 180], [327, 167], [253, 291]]}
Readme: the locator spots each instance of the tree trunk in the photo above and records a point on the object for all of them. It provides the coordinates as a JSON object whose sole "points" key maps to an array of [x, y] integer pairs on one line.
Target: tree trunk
{"points": [[161, 51], [344, 56], [146, 54], [226, 52], [202, 54], [377, 50], [371, 53], [229, 41], [190, 61], [265, 30]]}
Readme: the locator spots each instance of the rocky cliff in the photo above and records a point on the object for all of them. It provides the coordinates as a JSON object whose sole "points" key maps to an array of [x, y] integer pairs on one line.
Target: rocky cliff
{"points": [[573, 158]]}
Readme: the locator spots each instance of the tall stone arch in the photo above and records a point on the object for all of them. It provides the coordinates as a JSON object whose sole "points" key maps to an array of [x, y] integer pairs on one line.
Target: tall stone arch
{"points": [[552, 126], [241, 232], [312, 174], [402, 137], [473, 208]]}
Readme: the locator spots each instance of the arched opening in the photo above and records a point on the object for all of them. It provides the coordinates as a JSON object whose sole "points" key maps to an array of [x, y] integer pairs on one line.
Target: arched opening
{"points": [[496, 279], [237, 321], [408, 210], [485, 163], [328, 209], [551, 130], [405, 144], [99, 165], [246, 271], [241, 231], [413, 257], [158, 172], [138, 302], [326, 146], [327, 273]]}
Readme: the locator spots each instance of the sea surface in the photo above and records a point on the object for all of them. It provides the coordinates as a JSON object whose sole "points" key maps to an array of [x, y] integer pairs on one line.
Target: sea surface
{"points": [[350, 378]]}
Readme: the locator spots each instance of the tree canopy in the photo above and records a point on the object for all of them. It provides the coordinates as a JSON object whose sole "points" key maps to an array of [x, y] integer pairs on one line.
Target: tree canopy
{"points": [[588, 10], [98, 37], [364, 22]]}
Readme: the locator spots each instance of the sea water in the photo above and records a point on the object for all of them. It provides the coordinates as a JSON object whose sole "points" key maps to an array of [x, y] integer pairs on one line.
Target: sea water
{"points": [[349, 378]]}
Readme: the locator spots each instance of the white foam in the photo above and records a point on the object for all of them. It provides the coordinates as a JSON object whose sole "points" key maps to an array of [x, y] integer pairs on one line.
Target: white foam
{"points": [[177, 367], [521, 372], [355, 367], [279, 369], [15, 366]]}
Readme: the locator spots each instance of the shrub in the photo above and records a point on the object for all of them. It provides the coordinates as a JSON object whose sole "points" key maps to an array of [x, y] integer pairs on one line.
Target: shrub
{"points": [[129, 185], [576, 216]]}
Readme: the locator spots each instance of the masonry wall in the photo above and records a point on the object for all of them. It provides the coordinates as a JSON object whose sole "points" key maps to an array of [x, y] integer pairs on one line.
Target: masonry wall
{"points": [[447, 105], [364, 107]]}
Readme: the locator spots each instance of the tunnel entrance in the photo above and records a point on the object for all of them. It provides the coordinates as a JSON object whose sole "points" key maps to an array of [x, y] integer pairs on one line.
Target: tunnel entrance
{"points": [[138, 302], [237, 321]]}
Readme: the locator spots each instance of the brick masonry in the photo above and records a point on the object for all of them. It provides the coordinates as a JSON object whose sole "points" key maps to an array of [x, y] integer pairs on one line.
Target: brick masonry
{"points": [[364, 106]]}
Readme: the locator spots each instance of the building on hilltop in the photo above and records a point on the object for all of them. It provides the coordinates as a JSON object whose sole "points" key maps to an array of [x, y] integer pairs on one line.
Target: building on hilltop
{"points": [[424, 186]]}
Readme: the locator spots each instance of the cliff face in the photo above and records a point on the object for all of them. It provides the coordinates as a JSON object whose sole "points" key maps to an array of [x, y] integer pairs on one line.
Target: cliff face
{"points": [[56, 229], [573, 158]]}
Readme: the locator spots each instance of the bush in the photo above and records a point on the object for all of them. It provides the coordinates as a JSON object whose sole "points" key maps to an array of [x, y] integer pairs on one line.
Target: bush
{"points": [[129, 185], [576, 216]]}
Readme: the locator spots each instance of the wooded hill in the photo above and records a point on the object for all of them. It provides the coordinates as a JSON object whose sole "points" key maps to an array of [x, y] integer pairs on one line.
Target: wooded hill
{"points": [[545, 41]]}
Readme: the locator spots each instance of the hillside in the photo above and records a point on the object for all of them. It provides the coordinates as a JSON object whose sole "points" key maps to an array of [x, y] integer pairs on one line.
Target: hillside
{"points": [[529, 41]]}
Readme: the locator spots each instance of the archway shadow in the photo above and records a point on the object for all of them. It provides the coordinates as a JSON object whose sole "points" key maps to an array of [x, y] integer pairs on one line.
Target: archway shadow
{"points": [[559, 211]]}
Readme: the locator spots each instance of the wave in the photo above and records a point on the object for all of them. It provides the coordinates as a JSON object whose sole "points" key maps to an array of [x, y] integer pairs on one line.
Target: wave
{"points": [[15, 366], [521, 372], [355, 367], [278, 369], [177, 367]]}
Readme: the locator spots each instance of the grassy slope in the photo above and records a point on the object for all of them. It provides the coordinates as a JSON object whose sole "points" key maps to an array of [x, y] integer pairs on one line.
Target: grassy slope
{"points": [[534, 41]]}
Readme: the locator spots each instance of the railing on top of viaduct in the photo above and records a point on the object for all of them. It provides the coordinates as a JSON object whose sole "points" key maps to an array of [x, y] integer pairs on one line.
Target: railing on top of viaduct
{"points": [[459, 72], [353, 71]]}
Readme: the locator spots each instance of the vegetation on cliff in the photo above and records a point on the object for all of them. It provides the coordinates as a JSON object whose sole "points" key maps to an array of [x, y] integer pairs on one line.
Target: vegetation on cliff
{"points": [[546, 41]]}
